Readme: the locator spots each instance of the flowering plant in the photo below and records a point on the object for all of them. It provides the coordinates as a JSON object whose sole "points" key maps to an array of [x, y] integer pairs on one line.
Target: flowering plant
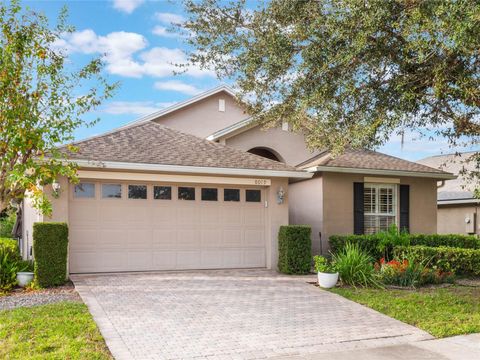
{"points": [[403, 272]]}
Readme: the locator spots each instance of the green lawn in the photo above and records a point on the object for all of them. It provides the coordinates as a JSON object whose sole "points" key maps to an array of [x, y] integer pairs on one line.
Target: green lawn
{"points": [[441, 312], [57, 331]]}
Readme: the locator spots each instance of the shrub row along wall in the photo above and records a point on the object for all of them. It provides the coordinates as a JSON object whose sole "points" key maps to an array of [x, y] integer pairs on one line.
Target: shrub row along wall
{"points": [[50, 246], [295, 249], [372, 243], [457, 260]]}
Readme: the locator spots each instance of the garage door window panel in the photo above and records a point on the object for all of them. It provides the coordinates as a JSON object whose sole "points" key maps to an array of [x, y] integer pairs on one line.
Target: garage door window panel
{"points": [[111, 191], [253, 196], [84, 191], [186, 193], [162, 192], [231, 195], [137, 192], [209, 194]]}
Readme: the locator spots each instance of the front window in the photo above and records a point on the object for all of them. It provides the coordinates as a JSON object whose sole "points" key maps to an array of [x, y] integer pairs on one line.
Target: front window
{"points": [[379, 207]]}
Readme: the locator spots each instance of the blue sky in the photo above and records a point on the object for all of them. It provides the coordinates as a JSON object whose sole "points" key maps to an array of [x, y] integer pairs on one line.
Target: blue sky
{"points": [[140, 52]]}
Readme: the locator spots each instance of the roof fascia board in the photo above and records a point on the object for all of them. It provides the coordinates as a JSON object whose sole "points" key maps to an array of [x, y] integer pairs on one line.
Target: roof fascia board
{"points": [[230, 130], [442, 176], [189, 169]]}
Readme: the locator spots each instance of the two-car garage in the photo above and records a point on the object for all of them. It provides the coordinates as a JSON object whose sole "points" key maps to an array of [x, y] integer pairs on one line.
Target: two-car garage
{"points": [[141, 226]]}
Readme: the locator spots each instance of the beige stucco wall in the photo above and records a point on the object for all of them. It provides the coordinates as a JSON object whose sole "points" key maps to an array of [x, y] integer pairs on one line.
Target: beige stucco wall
{"points": [[202, 118], [306, 207], [277, 215], [290, 146], [335, 213], [451, 219], [29, 217]]}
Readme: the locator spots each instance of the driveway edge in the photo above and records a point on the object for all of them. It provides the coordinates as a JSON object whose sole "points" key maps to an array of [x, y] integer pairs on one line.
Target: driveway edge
{"points": [[114, 341]]}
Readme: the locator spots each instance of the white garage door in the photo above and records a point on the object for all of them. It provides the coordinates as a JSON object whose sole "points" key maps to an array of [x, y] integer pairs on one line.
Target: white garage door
{"points": [[118, 226]]}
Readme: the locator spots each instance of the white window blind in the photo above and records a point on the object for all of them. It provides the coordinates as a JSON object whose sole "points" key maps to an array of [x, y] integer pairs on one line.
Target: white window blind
{"points": [[380, 209]]}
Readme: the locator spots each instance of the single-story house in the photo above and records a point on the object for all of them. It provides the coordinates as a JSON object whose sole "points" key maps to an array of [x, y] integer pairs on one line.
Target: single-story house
{"points": [[199, 185], [457, 209]]}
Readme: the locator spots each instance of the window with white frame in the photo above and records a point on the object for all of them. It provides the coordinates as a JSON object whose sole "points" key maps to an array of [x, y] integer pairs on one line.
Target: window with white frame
{"points": [[379, 205]]}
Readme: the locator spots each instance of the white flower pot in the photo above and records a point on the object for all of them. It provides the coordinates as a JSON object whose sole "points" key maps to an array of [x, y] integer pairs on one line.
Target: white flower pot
{"points": [[24, 278], [327, 280]]}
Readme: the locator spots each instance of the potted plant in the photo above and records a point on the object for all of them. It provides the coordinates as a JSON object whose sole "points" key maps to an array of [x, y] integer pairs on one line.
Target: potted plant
{"points": [[25, 273], [327, 274]]}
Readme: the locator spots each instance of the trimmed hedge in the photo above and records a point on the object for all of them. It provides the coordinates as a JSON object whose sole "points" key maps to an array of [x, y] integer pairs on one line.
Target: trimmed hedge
{"points": [[451, 240], [371, 243], [295, 249], [444, 258], [367, 243], [50, 246]]}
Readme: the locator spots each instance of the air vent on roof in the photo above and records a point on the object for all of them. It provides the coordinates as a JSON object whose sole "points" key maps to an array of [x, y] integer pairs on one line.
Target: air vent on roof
{"points": [[221, 105]]}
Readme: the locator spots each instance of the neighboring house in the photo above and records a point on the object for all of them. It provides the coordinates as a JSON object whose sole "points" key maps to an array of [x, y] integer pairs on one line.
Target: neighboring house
{"points": [[458, 209], [199, 186]]}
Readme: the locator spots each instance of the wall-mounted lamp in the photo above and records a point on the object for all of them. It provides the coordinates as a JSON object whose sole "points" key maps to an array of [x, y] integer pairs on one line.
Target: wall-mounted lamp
{"points": [[280, 195], [56, 189]]}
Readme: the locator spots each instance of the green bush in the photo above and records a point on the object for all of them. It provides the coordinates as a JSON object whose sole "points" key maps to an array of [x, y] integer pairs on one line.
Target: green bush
{"points": [[50, 244], [381, 245], [355, 266], [443, 258], [321, 264], [6, 224], [294, 249], [451, 240], [10, 263]]}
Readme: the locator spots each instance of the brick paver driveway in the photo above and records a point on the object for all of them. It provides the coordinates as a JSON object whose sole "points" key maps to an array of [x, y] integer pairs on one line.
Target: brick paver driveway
{"points": [[243, 314]]}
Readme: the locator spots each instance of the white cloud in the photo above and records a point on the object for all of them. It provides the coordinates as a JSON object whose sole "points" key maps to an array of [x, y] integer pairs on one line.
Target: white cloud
{"points": [[127, 6], [138, 108], [124, 56], [178, 86], [169, 18], [163, 31]]}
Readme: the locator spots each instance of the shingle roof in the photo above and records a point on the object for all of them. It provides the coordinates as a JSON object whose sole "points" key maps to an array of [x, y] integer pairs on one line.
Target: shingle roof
{"points": [[152, 143], [460, 188], [367, 159]]}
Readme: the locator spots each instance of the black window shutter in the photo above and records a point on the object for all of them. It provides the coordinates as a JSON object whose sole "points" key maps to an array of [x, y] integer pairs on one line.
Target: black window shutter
{"points": [[358, 225], [405, 208]]}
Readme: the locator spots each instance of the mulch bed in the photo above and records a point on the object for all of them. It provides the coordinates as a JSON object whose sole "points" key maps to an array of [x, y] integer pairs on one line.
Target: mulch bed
{"points": [[26, 298]]}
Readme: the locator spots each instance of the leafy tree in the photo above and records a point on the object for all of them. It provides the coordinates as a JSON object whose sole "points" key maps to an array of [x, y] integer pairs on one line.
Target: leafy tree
{"points": [[347, 73], [42, 101]]}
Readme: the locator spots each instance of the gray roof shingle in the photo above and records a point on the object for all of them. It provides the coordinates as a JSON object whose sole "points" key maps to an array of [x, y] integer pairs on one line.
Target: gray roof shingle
{"points": [[152, 143], [368, 159]]}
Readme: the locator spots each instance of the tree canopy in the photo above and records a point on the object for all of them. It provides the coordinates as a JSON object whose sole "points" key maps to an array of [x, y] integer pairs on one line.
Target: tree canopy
{"points": [[42, 101], [347, 73]]}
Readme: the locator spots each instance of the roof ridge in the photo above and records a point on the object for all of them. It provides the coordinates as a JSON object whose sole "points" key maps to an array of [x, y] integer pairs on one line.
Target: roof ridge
{"points": [[450, 154]]}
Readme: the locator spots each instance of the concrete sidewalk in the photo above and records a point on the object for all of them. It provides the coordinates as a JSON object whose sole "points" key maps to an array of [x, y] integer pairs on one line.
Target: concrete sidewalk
{"points": [[465, 347]]}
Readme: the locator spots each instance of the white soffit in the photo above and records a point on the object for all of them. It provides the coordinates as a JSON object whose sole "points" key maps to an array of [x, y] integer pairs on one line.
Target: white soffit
{"points": [[381, 180], [190, 169]]}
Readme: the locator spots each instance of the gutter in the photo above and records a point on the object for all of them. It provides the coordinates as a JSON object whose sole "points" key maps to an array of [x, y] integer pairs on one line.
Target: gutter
{"points": [[113, 165], [458, 201], [338, 169]]}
